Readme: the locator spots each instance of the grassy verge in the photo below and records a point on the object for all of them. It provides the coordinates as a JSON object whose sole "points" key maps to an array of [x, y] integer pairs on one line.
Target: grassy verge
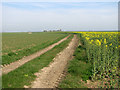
{"points": [[78, 69], [11, 57], [24, 75]]}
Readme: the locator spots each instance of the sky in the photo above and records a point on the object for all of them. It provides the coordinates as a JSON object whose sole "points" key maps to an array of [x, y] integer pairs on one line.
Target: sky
{"points": [[68, 16]]}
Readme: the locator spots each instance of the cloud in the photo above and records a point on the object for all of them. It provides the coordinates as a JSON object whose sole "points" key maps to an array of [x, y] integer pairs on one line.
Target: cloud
{"points": [[66, 18]]}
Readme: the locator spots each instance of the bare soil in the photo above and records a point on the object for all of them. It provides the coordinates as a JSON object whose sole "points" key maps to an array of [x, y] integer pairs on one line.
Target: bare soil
{"points": [[50, 76], [105, 83], [12, 66]]}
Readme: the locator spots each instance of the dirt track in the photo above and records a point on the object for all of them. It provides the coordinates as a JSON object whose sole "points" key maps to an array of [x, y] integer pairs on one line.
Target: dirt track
{"points": [[22, 61], [49, 76]]}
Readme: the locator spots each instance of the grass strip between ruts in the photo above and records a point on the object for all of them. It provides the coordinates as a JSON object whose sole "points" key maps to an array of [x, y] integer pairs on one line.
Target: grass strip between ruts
{"points": [[24, 75]]}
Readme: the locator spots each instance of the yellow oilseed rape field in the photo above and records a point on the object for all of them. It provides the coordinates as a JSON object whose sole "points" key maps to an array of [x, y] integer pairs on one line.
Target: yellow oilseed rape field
{"points": [[102, 50]]}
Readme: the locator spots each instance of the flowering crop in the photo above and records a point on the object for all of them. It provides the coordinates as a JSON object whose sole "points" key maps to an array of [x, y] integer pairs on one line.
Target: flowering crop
{"points": [[103, 54]]}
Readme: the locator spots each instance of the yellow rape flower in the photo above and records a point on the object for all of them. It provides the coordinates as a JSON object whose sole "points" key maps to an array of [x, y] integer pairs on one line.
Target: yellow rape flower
{"points": [[114, 68], [98, 42], [111, 44], [106, 46], [105, 41], [87, 38], [118, 46], [91, 41]]}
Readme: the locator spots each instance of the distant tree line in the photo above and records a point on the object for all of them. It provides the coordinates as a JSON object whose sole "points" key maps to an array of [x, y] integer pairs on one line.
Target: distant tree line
{"points": [[52, 30]]}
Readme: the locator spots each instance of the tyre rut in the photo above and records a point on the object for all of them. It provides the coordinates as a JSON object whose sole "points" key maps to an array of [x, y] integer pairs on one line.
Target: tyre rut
{"points": [[49, 76]]}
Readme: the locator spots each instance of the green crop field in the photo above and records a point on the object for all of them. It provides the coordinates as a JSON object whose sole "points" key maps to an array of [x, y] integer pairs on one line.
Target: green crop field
{"points": [[15, 41], [24, 75], [17, 45]]}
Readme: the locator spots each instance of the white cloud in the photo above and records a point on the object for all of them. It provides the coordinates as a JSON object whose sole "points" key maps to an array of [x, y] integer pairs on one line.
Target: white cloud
{"points": [[68, 19]]}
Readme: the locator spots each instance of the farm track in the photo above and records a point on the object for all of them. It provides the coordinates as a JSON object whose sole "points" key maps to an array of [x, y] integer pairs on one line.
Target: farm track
{"points": [[14, 65], [50, 76]]}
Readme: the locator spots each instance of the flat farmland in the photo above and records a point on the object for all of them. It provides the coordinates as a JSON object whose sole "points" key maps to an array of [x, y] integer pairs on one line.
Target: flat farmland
{"points": [[17, 45], [94, 60], [15, 41]]}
